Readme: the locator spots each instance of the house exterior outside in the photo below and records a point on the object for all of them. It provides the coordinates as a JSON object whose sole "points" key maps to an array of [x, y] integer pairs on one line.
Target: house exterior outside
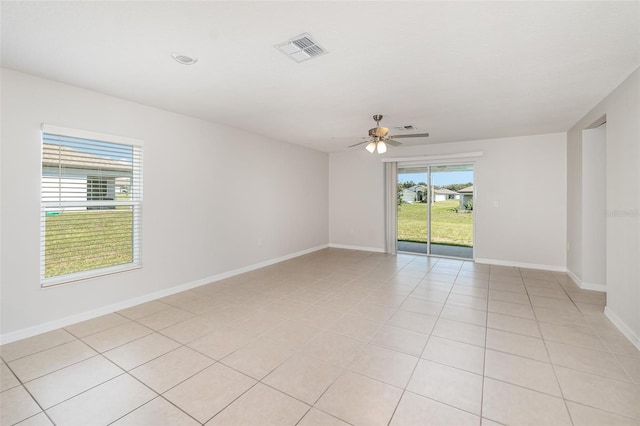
{"points": [[415, 194], [466, 195], [70, 176], [444, 194]]}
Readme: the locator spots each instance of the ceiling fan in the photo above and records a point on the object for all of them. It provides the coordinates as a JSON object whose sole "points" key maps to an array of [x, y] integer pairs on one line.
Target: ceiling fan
{"points": [[379, 137]]}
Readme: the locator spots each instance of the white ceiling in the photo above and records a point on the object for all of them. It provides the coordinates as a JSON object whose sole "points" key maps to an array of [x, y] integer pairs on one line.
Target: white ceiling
{"points": [[458, 70]]}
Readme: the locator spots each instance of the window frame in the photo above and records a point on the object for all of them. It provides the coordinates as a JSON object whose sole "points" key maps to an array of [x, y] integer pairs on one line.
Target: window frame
{"points": [[135, 203]]}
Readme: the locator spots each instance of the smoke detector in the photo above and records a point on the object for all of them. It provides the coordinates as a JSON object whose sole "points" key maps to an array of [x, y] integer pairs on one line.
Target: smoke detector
{"points": [[301, 48]]}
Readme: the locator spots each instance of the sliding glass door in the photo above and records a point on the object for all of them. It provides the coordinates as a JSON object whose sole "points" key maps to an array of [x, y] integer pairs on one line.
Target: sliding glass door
{"points": [[435, 210]]}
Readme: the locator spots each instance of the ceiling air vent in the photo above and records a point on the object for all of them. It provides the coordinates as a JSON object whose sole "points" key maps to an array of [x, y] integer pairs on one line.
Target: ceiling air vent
{"points": [[407, 128], [301, 48]]}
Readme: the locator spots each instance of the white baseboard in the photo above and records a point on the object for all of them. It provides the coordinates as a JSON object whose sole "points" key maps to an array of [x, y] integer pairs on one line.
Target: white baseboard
{"points": [[496, 262], [73, 319], [584, 285], [361, 248], [622, 326]]}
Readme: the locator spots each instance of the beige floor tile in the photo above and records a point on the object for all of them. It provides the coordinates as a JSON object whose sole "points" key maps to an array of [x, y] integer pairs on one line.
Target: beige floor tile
{"points": [[102, 404], [318, 418], [551, 292], [293, 332], [588, 416], [258, 323], [7, 379], [31, 345], [208, 392], [181, 298], [487, 422], [168, 370], [471, 302], [189, 330], [372, 311], [417, 410], [578, 336], [139, 351], [303, 377], [116, 336], [599, 392], [221, 342], [482, 292], [459, 313], [631, 367], [422, 306], [261, 406], [401, 340], [307, 295], [259, 357], [513, 309], [449, 385], [286, 308], [514, 286], [165, 318], [431, 293], [356, 327], [413, 321], [70, 381], [455, 354], [334, 348], [386, 365], [360, 400], [15, 405], [144, 309], [517, 344], [202, 305], [509, 296], [513, 405], [39, 419], [320, 317], [461, 332], [561, 316], [524, 372], [95, 325], [620, 345], [157, 412], [49, 360], [588, 360], [513, 324]]}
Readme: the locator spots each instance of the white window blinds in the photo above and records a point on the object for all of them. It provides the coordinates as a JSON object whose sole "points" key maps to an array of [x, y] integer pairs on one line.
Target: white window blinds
{"points": [[91, 205]]}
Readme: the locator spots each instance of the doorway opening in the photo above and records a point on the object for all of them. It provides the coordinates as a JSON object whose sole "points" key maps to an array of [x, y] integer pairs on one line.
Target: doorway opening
{"points": [[435, 210]]}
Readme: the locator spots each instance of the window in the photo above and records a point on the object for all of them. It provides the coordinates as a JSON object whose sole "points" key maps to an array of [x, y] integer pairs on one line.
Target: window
{"points": [[91, 205]]}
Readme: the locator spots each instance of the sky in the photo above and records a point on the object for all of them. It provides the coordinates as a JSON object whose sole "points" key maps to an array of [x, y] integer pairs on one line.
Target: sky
{"points": [[439, 178]]}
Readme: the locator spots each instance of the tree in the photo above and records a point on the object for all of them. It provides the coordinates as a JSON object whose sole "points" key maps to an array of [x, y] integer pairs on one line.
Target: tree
{"points": [[400, 200]]}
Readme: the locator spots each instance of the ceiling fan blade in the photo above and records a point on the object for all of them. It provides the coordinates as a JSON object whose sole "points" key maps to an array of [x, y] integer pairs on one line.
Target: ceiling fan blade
{"points": [[392, 142], [359, 143], [415, 135]]}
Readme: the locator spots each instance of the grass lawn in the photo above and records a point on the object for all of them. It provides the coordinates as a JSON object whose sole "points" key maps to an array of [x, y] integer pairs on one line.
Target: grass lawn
{"points": [[92, 239], [447, 226]]}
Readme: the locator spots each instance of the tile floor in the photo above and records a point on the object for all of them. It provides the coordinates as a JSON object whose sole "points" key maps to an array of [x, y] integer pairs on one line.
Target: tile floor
{"points": [[338, 337]]}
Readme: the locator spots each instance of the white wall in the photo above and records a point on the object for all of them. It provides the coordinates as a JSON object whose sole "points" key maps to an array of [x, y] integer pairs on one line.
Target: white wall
{"points": [[525, 175], [622, 109], [210, 193], [594, 205]]}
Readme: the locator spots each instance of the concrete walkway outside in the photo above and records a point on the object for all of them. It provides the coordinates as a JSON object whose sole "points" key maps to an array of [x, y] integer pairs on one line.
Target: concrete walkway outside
{"points": [[436, 249]]}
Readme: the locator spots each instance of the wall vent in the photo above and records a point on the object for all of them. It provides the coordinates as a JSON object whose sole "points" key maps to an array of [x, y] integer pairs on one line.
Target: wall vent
{"points": [[300, 48]]}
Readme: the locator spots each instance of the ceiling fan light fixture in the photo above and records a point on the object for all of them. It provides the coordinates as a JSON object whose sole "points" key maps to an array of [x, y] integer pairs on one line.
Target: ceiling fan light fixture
{"points": [[382, 147], [371, 147]]}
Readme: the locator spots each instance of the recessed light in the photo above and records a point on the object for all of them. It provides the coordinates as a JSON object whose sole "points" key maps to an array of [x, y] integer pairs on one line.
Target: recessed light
{"points": [[184, 59]]}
